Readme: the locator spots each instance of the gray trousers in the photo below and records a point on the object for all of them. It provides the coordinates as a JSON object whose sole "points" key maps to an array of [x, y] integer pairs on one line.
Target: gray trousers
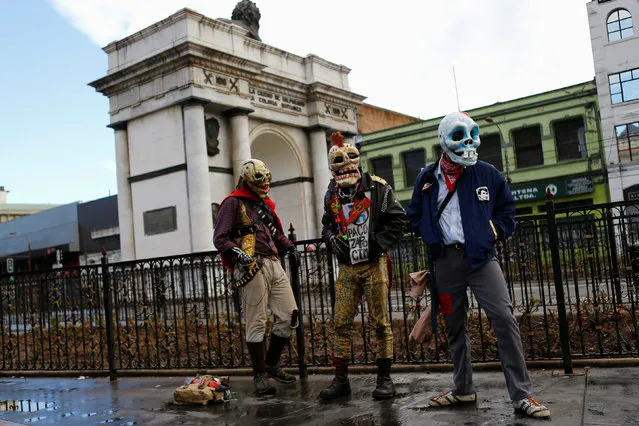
{"points": [[453, 276]]}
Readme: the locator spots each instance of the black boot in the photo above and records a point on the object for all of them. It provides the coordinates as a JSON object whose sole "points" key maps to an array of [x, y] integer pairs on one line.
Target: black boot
{"points": [[340, 386], [385, 388], [260, 378], [273, 368]]}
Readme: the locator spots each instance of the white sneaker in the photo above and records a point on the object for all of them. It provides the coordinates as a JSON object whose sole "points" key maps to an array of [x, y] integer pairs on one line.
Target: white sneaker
{"points": [[532, 408]]}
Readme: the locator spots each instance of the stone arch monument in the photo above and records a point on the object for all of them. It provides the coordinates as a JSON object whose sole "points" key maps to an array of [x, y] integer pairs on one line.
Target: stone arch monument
{"points": [[191, 98]]}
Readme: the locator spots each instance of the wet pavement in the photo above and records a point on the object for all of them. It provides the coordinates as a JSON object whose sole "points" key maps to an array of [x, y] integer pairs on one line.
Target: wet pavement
{"points": [[591, 397]]}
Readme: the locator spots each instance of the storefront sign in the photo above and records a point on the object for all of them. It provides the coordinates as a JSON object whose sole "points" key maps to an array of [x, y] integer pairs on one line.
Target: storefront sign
{"points": [[558, 188]]}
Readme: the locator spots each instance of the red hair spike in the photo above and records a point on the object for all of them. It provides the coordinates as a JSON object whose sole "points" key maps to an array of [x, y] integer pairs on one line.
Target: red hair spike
{"points": [[337, 139]]}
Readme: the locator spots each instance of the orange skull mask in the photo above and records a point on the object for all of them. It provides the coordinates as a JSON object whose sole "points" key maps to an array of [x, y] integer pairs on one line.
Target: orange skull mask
{"points": [[343, 159]]}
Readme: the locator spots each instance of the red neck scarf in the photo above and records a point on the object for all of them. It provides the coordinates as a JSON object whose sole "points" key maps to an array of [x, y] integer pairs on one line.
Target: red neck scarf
{"points": [[450, 170], [246, 193]]}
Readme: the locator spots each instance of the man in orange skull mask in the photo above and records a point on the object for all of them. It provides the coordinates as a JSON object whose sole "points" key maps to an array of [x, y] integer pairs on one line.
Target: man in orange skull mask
{"points": [[362, 220]]}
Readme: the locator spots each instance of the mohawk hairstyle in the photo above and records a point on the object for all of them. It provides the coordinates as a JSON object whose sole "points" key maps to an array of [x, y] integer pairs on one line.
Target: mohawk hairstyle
{"points": [[337, 139]]}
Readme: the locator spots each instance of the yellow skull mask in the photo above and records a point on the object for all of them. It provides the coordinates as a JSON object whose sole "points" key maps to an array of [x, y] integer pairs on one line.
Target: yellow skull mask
{"points": [[257, 176], [343, 159]]}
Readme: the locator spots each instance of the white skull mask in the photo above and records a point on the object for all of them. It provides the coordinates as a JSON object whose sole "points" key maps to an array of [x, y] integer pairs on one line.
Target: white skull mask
{"points": [[257, 176], [459, 138], [343, 159]]}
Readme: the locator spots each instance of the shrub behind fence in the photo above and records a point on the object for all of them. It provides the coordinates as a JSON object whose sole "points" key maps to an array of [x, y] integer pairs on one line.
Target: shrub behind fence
{"points": [[176, 312]]}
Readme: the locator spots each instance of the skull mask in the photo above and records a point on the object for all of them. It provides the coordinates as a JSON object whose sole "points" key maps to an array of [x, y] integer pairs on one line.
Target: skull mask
{"points": [[257, 177], [459, 138], [343, 159]]}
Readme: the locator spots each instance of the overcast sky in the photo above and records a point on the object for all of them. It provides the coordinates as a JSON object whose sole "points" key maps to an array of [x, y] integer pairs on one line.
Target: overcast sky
{"points": [[401, 54]]}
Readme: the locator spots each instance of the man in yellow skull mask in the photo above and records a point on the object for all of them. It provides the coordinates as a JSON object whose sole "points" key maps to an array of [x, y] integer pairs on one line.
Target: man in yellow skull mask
{"points": [[250, 237]]}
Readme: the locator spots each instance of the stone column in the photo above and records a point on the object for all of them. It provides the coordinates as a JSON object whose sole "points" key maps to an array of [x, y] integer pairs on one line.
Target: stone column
{"points": [[197, 176], [240, 139], [321, 171], [125, 200]]}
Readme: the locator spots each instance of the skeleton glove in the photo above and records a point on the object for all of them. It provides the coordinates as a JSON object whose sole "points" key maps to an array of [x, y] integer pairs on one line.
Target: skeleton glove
{"points": [[242, 257]]}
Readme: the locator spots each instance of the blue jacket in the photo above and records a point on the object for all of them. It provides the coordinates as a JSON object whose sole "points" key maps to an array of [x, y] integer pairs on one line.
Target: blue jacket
{"points": [[486, 205]]}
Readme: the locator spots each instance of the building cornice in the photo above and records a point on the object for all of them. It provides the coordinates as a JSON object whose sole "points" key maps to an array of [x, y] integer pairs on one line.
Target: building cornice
{"points": [[323, 92], [180, 56], [178, 16], [118, 125], [500, 109], [234, 112]]}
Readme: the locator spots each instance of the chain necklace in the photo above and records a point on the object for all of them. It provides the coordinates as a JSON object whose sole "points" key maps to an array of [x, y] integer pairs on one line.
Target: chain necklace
{"points": [[352, 190]]}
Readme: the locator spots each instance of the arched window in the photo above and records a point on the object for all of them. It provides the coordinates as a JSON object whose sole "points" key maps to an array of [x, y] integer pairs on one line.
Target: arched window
{"points": [[619, 25]]}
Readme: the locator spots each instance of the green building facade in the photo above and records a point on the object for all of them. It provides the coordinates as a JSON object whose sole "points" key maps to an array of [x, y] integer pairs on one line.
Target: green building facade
{"points": [[550, 141]]}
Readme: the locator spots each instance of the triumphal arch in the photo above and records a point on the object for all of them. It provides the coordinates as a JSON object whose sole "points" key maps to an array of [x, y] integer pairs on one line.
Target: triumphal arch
{"points": [[191, 98]]}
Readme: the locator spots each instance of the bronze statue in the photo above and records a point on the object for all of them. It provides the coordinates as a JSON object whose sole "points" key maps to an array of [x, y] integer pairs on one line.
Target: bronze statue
{"points": [[212, 131], [246, 15]]}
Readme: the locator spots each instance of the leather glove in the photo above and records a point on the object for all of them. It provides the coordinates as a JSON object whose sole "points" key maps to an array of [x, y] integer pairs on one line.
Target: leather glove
{"points": [[241, 256], [341, 249], [294, 253]]}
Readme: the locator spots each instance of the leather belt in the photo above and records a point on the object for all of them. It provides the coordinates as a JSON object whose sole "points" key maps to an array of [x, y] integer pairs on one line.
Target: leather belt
{"points": [[456, 246]]}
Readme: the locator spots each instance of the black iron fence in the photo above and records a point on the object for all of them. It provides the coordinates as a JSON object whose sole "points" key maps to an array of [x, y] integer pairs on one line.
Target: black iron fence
{"points": [[573, 277]]}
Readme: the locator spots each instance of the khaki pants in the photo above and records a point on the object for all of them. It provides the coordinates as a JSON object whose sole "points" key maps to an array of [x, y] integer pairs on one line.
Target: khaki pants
{"points": [[269, 289], [370, 279]]}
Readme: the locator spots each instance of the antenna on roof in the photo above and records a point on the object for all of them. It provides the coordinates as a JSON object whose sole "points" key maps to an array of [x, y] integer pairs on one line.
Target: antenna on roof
{"points": [[456, 92]]}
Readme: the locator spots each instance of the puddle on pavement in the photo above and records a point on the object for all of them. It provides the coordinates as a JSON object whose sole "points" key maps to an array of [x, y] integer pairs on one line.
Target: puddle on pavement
{"points": [[26, 406]]}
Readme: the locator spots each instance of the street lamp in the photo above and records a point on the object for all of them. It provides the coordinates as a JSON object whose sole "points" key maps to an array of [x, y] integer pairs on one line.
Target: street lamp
{"points": [[14, 234], [504, 145]]}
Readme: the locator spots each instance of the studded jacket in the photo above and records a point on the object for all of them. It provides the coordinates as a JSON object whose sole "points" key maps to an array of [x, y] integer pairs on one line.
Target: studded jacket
{"points": [[388, 220]]}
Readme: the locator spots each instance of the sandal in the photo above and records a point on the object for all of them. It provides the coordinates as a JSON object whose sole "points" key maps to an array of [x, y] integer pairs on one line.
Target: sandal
{"points": [[448, 398]]}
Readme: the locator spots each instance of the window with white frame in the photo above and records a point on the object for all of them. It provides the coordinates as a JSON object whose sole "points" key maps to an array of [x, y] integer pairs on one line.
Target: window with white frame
{"points": [[624, 86], [619, 25]]}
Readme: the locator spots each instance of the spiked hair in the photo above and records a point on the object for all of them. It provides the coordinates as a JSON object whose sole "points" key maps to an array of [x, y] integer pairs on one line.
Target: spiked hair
{"points": [[337, 139]]}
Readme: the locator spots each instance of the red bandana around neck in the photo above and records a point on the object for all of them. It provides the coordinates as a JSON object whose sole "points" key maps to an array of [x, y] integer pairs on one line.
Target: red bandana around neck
{"points": [[250, 195], [450, 170]]}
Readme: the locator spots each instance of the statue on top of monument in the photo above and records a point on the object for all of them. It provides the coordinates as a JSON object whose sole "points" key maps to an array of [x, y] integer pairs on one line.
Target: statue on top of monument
{"points": [[246, 15]]}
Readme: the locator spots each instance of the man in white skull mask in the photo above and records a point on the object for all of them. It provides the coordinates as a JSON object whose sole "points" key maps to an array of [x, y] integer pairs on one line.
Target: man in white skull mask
{"points": [[462, 207], [250, 237], [362, 220]]}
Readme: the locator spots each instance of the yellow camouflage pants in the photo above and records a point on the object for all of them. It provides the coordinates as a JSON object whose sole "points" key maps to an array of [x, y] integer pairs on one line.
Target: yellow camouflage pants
{"points": [[370, 279]]}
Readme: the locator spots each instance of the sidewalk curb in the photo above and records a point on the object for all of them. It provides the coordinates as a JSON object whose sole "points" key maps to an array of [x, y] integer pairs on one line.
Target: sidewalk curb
{"points": [[355, 369]]}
